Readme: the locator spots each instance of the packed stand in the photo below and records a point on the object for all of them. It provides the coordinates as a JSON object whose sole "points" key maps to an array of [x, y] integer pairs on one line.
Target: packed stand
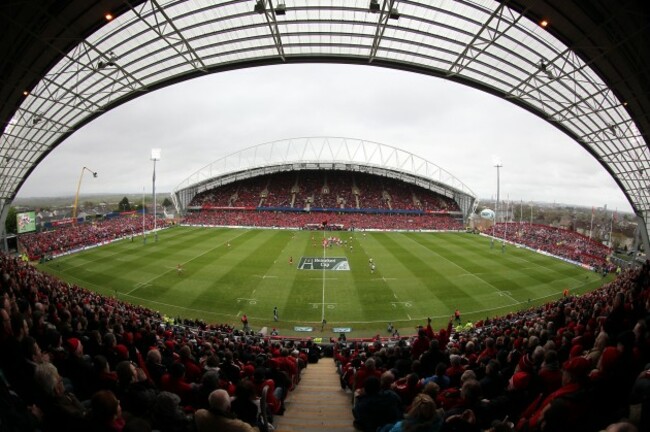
{"points": [[323, 189], [77, 236], [73, 360], [301, 220], [581, 363], [556, 241], [278, 191]]}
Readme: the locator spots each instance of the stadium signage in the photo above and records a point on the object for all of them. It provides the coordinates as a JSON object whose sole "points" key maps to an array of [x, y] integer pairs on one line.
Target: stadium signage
{"points": [[26, 222], [303, 329], [341, 330], [320, 263]]}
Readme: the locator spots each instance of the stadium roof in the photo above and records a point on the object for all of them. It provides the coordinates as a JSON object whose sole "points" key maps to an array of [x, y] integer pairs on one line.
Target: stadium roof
{"points": [[325, 153], [587, 71]]}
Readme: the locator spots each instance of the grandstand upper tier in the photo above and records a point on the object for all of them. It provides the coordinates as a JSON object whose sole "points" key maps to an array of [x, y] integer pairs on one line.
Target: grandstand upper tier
{"points": [[325, 174]]}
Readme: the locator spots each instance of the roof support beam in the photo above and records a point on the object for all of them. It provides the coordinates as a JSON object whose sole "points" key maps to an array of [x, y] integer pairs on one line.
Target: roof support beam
{"points": [[271, 20], [479, 44], [384, 15], [170, 37]]}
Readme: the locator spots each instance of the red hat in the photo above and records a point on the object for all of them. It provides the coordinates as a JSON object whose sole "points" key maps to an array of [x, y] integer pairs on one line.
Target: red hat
{"points": [[122, 351], [578, 366], [73, 344], [609, 358], [520, 380], [249, 369], [525, 363], [576, 350]]}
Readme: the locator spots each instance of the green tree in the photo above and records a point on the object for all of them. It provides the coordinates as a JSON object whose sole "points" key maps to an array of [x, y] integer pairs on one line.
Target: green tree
{"points": [[10, 223], [124, 205], [166, 203]]}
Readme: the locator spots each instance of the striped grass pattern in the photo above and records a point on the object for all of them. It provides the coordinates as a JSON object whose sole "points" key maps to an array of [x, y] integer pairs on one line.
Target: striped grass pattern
{"points": [[227, 272]]}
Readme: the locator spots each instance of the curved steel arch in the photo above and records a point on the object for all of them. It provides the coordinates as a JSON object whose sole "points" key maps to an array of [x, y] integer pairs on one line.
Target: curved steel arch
{"points": [[325, 153], [483, 43]]}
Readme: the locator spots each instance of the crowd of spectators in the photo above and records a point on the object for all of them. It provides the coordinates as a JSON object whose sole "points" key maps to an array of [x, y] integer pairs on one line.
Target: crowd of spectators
{"points": [[72, 237], [73, 360], [303, 219], [70, 358], [324, 189], [577, 364], [556, 241]]}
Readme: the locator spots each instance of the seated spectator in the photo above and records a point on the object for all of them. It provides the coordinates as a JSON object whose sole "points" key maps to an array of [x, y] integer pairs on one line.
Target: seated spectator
{"points": [[62, 410], [423, 416], [407, 388], [245, 405], [574, 379], [105, 413], [135, 393], [373, 408], [167, 414], [218, 417], [103, 378], [174, 382], [154, 366]]}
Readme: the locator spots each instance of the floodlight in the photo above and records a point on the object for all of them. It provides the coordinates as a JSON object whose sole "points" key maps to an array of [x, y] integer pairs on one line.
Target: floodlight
{"points": [[110, 62], [374, 6], [393, 14], [281, 8], [76, 197], [155, 154], [545, 67], [259, 6]]}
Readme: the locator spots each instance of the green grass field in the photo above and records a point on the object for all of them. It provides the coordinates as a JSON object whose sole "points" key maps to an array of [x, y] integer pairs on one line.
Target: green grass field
{"points": [[228, 272]]}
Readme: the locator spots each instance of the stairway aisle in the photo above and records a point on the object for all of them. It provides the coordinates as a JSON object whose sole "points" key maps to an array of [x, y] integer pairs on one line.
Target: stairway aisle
{"points": [[318, 403]]}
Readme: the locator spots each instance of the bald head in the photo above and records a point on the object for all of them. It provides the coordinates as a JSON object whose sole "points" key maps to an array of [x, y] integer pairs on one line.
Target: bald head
{"points": [[219, 400]]}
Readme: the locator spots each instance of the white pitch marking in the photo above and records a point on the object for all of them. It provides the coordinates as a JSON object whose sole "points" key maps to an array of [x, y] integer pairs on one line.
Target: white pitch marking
{"points": [[172, 268]]}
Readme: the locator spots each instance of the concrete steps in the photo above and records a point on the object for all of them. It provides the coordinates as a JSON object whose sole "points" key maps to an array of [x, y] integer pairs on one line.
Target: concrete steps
{"points": [[318, 403]]}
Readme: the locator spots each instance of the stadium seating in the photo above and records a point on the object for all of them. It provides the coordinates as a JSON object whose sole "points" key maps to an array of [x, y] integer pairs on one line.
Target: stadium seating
{"points": [[599, 340], [323, 189], [73, 237], [556, 241]]}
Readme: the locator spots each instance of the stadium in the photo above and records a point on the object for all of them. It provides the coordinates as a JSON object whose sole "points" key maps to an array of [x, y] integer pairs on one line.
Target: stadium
{"points": [[300, 258]]}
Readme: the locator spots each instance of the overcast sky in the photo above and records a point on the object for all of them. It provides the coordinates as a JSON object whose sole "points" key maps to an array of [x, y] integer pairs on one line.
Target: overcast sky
{"points": [[196, 122]]}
